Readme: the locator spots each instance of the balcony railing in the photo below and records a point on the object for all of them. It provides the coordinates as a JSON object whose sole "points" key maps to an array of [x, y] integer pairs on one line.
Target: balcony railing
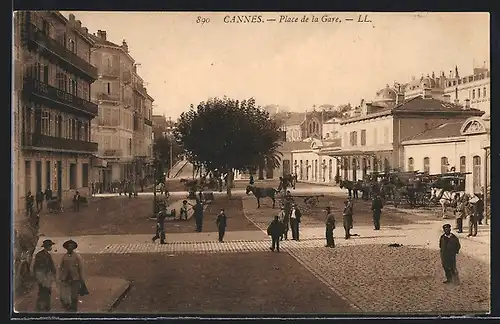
{"points": [[108, 97], [148, 122], [39, 141], [110, 71], [48, 92], [113, 152], [67, 57]]}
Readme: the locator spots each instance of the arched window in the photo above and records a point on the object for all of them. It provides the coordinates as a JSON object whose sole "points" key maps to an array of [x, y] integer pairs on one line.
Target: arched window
{"points": [[463, 166], [410, 164], [444, 164], [427, 165], [315, 170], [476, 174], [301, 174], [473, 93], [345, 164], [365, 166], [479, 92], [484, 92], [354, 169], [307, 169]]}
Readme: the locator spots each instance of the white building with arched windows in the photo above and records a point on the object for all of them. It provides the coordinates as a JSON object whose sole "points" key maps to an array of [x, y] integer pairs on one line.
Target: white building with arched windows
{"points": [[463, 146]]}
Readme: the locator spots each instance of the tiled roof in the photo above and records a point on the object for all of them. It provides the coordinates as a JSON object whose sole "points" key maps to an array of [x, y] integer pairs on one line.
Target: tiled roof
{"points": [[290, 146], [295, 119], [426, 105], [451, 129], [101, 41], [332, 143]]}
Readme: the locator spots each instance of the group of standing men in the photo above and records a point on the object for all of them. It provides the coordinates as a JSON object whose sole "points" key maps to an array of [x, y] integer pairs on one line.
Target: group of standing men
{"points": [[289, 218]]}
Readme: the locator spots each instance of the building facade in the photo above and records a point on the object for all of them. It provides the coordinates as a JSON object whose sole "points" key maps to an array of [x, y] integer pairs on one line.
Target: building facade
{"points": [[373, 140], [475, 87], [52, 107], [458, 145], [123, 126]]}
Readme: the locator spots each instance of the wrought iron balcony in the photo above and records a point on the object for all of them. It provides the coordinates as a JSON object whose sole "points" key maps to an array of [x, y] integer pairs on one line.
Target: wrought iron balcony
{"points": [[49, 93], [148, 122], [36, 141], [108, 97], [47, 44]]}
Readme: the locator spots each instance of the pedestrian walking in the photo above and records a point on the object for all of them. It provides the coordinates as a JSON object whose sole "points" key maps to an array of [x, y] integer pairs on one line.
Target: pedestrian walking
{"points": [[449, 246], [347, 219], [160, 227], [76, 201], [351, 207], [275, 230], [330, 226], [39, 200], [198, 215], [462, 212], [45, 274], [48, 195], [221, 224], [479, 209], [29, 204], [295, 216], [377, 206], [473, 216], [284, 217], [251, 180], [72, 284]]}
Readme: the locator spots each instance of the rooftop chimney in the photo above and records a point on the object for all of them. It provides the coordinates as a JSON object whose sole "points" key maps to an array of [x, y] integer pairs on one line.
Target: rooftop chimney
{"points": [[446, 98], [426, 93], [400, 97], [125, 46], [467, 104], [101, 34], [85, 30], [78, 24], [71, 17]]}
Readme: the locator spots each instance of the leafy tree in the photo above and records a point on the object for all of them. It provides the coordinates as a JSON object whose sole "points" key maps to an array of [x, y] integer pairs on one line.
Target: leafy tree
{"points": [[161, 149], [226, 134]]}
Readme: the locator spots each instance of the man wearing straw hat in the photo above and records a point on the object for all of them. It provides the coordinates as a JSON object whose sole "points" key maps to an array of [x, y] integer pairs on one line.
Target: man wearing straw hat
{"points": [[45, 273], [71, 277]]}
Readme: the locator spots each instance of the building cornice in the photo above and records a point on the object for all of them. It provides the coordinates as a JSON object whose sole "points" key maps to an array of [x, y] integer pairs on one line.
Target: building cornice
{"points": [[442, 140]]}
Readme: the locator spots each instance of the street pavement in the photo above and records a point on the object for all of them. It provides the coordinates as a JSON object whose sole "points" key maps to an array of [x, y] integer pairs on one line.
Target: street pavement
{"points": [[415, 271]]}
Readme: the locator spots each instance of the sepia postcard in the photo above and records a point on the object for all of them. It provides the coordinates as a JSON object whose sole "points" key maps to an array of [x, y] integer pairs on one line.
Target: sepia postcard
{"points": [[251, 163]]}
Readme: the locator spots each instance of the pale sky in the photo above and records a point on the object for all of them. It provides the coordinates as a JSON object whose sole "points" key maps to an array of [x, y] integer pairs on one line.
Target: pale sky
{"points": [[297, 65]]}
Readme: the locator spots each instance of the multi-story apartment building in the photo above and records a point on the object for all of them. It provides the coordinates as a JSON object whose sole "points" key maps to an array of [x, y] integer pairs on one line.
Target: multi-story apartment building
{"points": [[122, 123], [474, 87], [52, 107]]}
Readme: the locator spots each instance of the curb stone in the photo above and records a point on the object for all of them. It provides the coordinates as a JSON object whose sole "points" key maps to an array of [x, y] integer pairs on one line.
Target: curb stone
{"points": [[118, 297]]}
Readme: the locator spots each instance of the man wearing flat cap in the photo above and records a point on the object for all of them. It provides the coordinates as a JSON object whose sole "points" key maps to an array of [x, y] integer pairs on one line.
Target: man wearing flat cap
{"points": [[45, 273], [70, 277], [449, 247]]}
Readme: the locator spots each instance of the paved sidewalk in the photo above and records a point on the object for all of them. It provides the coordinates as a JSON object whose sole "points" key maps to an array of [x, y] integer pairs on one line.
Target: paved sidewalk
{"points": [[104, 293]]}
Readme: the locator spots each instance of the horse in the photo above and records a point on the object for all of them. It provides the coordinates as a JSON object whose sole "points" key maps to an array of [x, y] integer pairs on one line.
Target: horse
{"points": [[290, 180], [260, 192], [347, 184], [446, 199]]}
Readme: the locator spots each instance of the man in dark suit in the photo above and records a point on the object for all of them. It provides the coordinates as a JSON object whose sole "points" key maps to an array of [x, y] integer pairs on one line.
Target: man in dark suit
{"points": [[449, 246], [347, 219], [275, 230], [295, 216], [160, 227], [45, 273], [377, 211], [221, 224], [330, 226], [76, 201]]}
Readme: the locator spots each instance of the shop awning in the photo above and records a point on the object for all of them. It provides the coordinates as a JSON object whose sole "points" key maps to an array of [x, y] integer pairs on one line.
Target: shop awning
{"points": [[97, 162]]}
